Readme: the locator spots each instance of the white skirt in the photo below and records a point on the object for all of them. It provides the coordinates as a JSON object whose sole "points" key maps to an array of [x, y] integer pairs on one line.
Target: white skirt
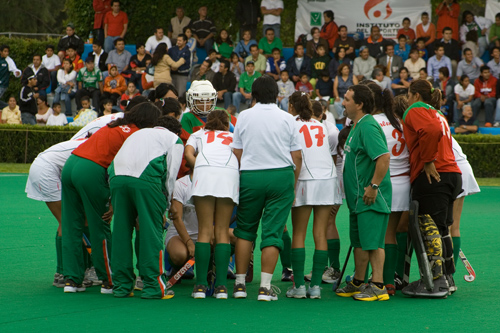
{"points": [[316, 192], [216, 182], [469, 183], [400, 193], [172, 232], [44, 182]]}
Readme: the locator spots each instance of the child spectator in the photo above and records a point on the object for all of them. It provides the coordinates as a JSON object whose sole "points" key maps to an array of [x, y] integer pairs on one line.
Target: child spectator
{"points": [[52, 62], [426, 30], [57, 118], [66, 90], [107, 106], [406, 31], [275, 64], [414, 63], [402, 49], [324, 86], [27, 103], [223, 44], [304, 85], [319, 63], [467, 123], [85, 115], [191, 44], [114, 85], [44, 111], [285, 90], [236, 66], [422, 50], [231, 109], [464, 94], [130, 93], [212, 56], [75, 58], [11, 113]]}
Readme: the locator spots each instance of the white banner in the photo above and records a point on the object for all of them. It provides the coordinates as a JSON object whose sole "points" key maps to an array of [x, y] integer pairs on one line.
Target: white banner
{"points": [[492, 8], [361, 15]]}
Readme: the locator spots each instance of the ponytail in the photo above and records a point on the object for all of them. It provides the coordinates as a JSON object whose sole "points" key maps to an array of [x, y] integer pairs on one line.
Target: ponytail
{"points": [[384, 102], [302, 105], [217, 120]]}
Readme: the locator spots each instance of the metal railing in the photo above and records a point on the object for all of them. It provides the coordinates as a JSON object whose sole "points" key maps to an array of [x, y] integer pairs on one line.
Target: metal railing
{"points": [[48, 35]]}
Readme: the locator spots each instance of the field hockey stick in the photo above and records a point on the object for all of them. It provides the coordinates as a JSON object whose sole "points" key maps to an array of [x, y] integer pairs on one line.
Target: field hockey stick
{"points": [[87, 244], [249, 276], [472, 274], [339, 281], [180, 273]]}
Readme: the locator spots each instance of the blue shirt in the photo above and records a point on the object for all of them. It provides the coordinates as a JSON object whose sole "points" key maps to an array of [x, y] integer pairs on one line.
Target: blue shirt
{"points": [[176, 54], [433, 66], [402, 53]]}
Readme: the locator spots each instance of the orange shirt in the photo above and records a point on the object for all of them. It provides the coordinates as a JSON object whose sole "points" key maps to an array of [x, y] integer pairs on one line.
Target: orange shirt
{"points": [[115, 85], [430, 35], [330, 32], [448, 18], [115, 23], [410, 34], [103, 145], [77, 63]]}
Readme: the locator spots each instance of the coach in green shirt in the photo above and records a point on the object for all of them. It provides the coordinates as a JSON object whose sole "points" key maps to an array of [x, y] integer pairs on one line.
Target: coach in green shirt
{"points": [[368, 193], [268, 43]]}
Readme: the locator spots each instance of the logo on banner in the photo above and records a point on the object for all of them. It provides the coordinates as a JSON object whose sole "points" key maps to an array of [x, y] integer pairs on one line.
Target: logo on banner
{"points": [[375, 9], [315, 18]]}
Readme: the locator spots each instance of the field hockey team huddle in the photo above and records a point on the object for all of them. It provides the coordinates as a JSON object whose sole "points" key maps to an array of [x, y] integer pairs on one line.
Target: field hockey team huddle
{"points": [[213, 182]]}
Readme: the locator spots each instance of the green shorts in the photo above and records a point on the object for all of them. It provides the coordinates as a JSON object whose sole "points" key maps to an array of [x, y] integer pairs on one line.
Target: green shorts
{"points": [[367, 230], [266, 195]]}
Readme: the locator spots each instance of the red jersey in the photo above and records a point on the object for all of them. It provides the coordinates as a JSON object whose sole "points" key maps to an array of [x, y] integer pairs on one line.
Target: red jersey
{"points": [[428, 137], [103, 145]]}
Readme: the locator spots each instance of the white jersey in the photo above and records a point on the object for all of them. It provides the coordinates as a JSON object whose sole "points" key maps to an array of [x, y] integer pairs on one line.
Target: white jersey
{"points": [[400, 157], [460, 157], [97, 124], [317, 161], [58, 154], [182, 193], [213, 149], [333, 136]]}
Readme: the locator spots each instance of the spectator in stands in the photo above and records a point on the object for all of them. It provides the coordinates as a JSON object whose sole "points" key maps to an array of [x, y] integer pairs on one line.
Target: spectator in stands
{"points": [[343, 80], [130, 93], [451, 48], [245, 86], [339, 59], [181, 50], [414, 64], [99, 56], [402, 49], [324, 86], [285, 90], [391, 62], [191, 44], [494, 34], [406, 31], [304, 85], [85, 115], [313, 44], [426, 29], [157, 38], [319, 63], [446, 84], [178, 23], [71, 39], [448, 12], [269, 42], [275, 64], [224, 83], [363, 65], [422, 50], [212, 56], [494, 64], [57, 118], [236, 66], [75, 58], [115, 26], [470, 66], [114, 86], [258, 59], [271, 11], [485, 95], [66, 89], [44, 111], [379, 78], [101, 7], [401, 84], [203, 71], [204, 30], [42, 75], [298, 64], [119, 56], [329, 30], [11, 113], [346, 42], [376, 43], [477, 23], [423, 75], [467, 124], [243, 47], [90, 83], [52, 62], [27, 102], [7, 65], [138, 64], [437, 61], [163, 64], [471, 43], [464, 94], [248, 14], [223, 44]]}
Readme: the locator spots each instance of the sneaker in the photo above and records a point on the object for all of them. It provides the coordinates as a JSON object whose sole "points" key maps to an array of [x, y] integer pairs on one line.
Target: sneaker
{"points": [[294, 292], [169, 294], [58, 281], [220, 292], [240, 291], [139, 285], [487, 125], [451, 284], [106, 288], [391, 289], [350, 290], [308, 277], [91, 275], [287, 275], [330, 275], [267, 295], [70, 286], [314, 292], [398, 281], [87, 283], [496, 124], [199, 291], [417, 289], [372, 293]]}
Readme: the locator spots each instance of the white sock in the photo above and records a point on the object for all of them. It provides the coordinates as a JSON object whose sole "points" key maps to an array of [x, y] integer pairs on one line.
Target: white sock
{"points": [[265, 280], [240, 279]]}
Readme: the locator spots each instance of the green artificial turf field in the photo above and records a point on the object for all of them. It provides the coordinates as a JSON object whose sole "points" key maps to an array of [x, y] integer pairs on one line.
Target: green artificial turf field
{"points": [[29, 302]]}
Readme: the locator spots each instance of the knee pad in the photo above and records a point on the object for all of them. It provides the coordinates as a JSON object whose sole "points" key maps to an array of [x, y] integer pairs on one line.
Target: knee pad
{"points": [[433, 244]]}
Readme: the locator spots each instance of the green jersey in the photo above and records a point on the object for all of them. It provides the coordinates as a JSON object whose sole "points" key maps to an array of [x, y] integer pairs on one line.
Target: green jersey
{"points": [[246, 81], [364, 145], [268, 47], [89, 79]]}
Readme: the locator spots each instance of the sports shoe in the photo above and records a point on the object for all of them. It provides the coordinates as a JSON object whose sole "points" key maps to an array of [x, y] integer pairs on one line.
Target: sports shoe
{"points": [[294, 292], [199, 291], [169, 294], [314, 292], [451, 284], [91, 275], [350, 290], [487, 125], [220, 292], [139, 285], [270, 294], [58, 281], [106, 288], [330, 275], [496, 124], [287, 275], [87, 283], [417, 289], [70, 286], [308, 277], [240, 291], [391, 289], [372, 293]]}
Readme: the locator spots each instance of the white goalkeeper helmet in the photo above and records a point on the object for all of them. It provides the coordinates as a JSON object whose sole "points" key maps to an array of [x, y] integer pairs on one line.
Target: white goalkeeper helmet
{"points": [[201, 97]]}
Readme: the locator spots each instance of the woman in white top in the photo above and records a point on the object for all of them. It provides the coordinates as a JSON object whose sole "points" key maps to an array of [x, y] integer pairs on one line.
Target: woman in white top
{"points": [[414, 63], [215, 191], [44, 111], [464, 93], [66, 89]]}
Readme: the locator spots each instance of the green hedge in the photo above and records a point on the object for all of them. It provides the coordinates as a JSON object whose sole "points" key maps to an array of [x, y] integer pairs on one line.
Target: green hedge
{"points": [[483, 153]]}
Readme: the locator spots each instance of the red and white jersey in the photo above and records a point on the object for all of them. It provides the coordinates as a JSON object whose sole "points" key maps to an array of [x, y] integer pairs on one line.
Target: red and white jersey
{"points": [[400, 157], [317, 161], [333, 136], [213, 149], [97, 124], [58, 154]]}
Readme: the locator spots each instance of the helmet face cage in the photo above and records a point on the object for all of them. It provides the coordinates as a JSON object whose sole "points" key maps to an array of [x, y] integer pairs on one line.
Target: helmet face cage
{"points": [[201, 98]]}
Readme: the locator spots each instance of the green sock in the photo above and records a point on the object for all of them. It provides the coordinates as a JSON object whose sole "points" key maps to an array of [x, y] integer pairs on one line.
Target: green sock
{"points": [[456, 250], [202, 255], [298, 262], [59, 268], [222, 253], [320, 260], [286, 253], [400, 261], [334, 253], [391, 255], [136, 248]]}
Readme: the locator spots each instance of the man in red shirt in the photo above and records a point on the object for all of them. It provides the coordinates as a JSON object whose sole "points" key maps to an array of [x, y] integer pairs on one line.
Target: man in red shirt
{"points": [[485, 95], [115, 25], [101, 7]]}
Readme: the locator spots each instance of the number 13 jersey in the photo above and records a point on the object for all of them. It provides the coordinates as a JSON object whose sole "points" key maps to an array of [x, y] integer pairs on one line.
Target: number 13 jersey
{"points": [[212, 148]]}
